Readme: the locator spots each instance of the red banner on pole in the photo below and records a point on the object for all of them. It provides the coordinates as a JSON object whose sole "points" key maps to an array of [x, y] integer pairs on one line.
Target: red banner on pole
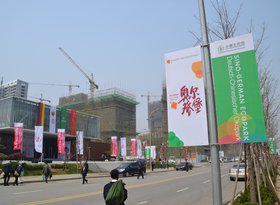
{"points": [[133, 147], [61, 141], [114, 146], [73, 117], [18, 129]]}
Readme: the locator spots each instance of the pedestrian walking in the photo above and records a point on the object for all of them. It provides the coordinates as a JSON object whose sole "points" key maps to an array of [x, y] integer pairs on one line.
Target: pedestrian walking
{"points": [[187, 166], [47, 172], [84, 172], [17, 173], [7, 169], [140, 170], [153, 165], [114, 192]]}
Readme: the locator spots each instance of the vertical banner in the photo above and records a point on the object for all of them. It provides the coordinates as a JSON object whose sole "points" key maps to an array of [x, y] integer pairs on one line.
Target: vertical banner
{"points": [[139, 148], [133, 147], [18, 131], [38, 139], [272, 145], [148, 152], [187, 154], [153, 152], [42, 114], [63, 113], [80, 142], [73, 116], [61, 141], [52, 126], [187, 121], [123, 146], [114, 145], [237, 91]]}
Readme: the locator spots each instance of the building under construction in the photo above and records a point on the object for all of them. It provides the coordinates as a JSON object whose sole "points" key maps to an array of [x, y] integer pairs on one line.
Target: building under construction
{"points": [[116, 109]]}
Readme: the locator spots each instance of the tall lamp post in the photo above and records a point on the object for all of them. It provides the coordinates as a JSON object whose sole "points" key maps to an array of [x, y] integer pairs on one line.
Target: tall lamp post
{"points": [[149, 121]]}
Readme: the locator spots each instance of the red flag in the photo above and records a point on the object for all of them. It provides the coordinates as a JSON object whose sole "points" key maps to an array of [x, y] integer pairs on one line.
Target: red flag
{"points": [[73, 116], [18, 129], [61, 141]]}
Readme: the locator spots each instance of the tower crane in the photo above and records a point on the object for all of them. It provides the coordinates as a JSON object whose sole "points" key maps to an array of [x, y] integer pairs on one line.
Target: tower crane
{"points": [[92, 84], [41, 98], [70, 85]]}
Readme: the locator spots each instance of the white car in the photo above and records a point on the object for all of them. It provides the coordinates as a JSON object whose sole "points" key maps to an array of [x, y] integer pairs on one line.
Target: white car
{"points": [[233, 171]]}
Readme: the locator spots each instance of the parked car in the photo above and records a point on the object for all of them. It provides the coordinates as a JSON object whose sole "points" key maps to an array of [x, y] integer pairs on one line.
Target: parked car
{"points": [[172, 160], [128, 168], [233, 172], [182, 166]]}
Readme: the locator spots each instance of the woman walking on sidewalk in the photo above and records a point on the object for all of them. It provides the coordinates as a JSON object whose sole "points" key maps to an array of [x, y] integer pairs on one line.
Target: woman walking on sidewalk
{"points": [[84, 172]]}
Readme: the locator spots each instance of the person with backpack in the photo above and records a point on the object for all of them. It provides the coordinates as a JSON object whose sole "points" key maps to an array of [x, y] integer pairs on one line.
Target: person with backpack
{"points": [[114, 192]]}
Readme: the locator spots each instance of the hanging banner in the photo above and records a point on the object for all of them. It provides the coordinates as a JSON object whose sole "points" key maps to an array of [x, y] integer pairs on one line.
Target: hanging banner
{"points": [[123, 146], [52, 126], [153, 152], [38, 139], [61, 141], [42, 114], [18, 131], [80, 142], [63, 113], [139, 148], [114, 145], [237, 91], [147, 152], [187, 121], [73, 116], [133, 147], [272, 145]]}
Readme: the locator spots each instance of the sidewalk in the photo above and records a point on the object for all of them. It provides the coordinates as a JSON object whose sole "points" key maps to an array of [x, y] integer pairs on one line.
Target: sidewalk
{"points": [[32, 179]]}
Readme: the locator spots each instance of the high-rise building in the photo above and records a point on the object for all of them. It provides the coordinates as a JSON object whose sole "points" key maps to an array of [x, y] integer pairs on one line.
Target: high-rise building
{"points": [[16, 88]]}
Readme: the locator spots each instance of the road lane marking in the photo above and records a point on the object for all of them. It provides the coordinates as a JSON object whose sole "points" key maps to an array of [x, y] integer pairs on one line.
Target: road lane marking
{"points": [[224, 175], [27, 192], [76, 196], [182, 189], [206, 181], [143, 202]]}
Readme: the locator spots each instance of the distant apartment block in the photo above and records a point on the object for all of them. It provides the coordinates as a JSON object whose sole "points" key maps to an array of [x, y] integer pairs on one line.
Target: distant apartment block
{"points": [[16, 88]]}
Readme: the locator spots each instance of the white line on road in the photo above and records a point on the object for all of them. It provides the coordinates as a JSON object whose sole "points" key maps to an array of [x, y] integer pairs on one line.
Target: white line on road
{"points": [[143, 202], [224, 175], [27, 192], [182, 189], [206, 181]]}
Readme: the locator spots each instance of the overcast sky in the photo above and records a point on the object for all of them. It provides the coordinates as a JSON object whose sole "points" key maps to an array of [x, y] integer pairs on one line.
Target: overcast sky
{"points": [[121, 42]]}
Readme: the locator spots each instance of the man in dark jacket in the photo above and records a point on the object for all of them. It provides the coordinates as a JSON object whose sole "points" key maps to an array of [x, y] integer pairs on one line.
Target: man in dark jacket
{"points": [[115, 176], [84, 172], [7, 169]]}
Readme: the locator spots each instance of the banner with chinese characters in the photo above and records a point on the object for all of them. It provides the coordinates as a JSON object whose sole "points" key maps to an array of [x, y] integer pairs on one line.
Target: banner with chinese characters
{"points": [[18, 131], [187, 121], [80, 142], [42, 114], [272, 145], [114, 145], [133, 147], [73, 116], [61, 141], [38, 138], [63, 114], [52, 126], [123, 146], [237, 91]]}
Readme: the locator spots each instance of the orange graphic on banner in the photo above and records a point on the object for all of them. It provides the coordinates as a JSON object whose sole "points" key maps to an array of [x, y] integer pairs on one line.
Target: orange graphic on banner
{"points": [[197, 69]]}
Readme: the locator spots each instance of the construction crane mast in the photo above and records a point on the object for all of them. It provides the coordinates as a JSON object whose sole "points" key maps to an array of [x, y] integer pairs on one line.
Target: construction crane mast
{"points": [[41, 98], [92, 85], [70, 85]]}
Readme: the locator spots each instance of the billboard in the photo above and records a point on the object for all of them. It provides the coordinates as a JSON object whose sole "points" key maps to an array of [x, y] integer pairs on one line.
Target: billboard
{"points": [[237, 91], [187, 121]]}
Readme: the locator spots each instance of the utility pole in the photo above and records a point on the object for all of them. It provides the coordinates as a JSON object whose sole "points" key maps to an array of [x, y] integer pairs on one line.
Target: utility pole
{"points": [[211, 111]]}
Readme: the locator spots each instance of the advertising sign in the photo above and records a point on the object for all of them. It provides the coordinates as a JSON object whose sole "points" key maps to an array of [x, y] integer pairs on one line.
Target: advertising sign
{"points": [[133, 147], [123, 146], [237, 91], [187, 121], [38, 139], [139, 148], [18, 131], [52, 126], [114, 145], [80, 142], [61, 141]]}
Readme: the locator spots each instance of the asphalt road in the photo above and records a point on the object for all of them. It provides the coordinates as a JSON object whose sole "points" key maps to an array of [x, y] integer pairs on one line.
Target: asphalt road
{"points": [[166, 188]]}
